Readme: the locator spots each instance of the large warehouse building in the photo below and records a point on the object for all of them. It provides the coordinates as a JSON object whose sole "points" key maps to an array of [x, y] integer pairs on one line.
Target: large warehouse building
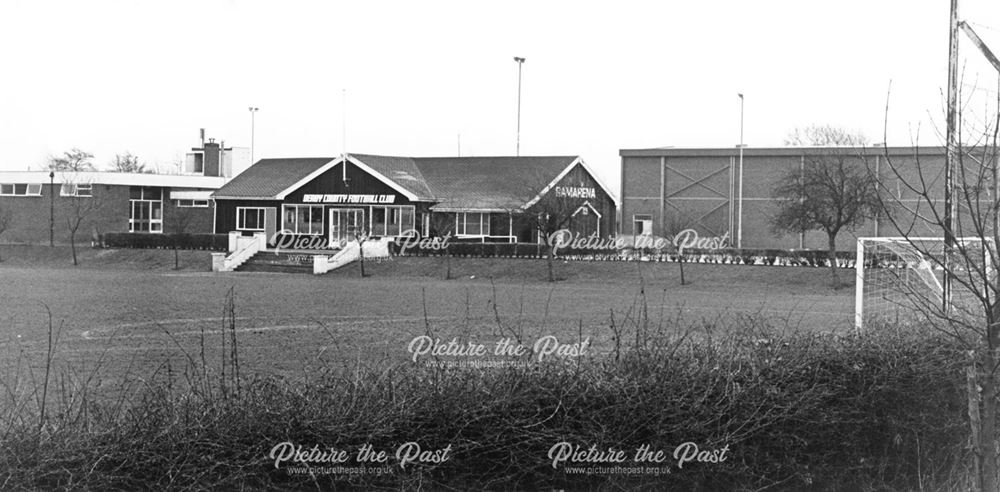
{"points": [[469, 198], [664, 190]]}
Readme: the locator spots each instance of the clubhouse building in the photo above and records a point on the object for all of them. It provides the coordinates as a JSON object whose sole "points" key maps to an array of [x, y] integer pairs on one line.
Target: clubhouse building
{"points": [[483, 199]]}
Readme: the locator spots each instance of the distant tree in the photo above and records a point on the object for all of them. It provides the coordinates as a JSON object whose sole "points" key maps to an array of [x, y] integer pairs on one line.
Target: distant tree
{"points": [[177, 224], [5, 220], [547, 213], [361, 236], [832, 192], [80, 207], [443, 225], [72, 160], [825, 136], [674, 224], [128, 163]]}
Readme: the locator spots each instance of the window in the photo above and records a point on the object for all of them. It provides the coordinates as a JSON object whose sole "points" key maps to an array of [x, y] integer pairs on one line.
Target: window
{"points": [[302, 219], [20, 189], [472, 224], [146, 216], [145, 208], [250, 218], [145, 193], [194, 163], [192, 203], [378, 221], [392, 221], [642, 225], [77, 189]]}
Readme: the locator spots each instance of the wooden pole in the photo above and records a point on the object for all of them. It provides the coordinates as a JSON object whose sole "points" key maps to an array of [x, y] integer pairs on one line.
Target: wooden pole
{"points": [[951, 157]]}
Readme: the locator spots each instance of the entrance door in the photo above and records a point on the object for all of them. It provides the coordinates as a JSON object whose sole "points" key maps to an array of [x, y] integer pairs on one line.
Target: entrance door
{"points": [[270, 224], [345, 223], [585, 221]]}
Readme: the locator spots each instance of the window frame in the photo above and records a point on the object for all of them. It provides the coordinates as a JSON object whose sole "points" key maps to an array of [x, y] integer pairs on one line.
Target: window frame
{"points": [[30, 189], [462, 224], [297, 206], [644, 218], [241, 218], [392, 218], [191, 203], [74, 189], [146, 200]]}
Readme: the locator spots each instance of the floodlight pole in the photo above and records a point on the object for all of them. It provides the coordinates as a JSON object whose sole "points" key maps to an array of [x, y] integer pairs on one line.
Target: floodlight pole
{"points": [[52, 208], [253, 113], [520, 61], [739, 203]]}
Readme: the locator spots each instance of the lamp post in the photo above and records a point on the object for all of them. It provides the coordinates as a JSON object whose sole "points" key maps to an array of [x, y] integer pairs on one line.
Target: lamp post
{"points": [[520, 61], [739, 203], [253, 112], [52, 208]]}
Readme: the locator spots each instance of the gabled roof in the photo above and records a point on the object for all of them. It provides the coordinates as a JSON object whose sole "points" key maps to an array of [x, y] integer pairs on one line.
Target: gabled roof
{"points": [[269, 177], [401, 170], [455, 183], [488, 183]]}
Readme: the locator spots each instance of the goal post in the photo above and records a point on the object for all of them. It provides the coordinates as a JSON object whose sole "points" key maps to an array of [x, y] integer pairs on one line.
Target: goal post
{"points": [[900, 279]]}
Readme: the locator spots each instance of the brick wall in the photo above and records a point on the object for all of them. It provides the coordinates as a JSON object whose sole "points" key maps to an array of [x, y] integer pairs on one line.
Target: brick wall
{"points": [[106, 211], [690, 186]]}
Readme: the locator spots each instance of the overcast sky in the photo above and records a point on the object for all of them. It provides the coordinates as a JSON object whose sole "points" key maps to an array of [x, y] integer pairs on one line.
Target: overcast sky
{"points": [[111, 77]]}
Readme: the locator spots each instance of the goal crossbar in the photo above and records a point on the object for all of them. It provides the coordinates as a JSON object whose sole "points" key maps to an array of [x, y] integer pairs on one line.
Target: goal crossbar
{"points": [[900, 265]]}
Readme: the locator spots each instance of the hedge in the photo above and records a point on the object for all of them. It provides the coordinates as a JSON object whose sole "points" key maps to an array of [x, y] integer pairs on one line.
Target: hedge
{"points": [[211, 242], [779, 257], [797, 411]]}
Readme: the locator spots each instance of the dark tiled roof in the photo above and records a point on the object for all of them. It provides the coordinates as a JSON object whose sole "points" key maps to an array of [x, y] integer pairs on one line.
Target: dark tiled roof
{"points": [[488, 183], [400, 170], [269, 177], [472, 183]]}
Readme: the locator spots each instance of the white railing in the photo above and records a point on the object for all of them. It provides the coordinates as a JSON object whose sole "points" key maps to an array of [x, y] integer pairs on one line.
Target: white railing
{"points": [[242, 248], [373, 248]]}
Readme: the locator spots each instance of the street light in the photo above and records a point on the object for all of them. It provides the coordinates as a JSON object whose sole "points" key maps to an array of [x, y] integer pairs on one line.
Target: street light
{"points": [[739, 204], [520, 61], [52, 208], [253, 112]]}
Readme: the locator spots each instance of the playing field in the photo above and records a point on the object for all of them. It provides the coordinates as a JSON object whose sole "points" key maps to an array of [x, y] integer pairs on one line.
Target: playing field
{"points": [[132, 317]]}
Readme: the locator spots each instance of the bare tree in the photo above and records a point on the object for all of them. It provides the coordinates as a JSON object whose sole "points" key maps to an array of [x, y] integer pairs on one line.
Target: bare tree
{"points": [[673, 225], [5, 220], [968, 307], [832, 191], [177, 225], [72, 160], [825, 136], [361, 236], [127, 163], [80, 208], [547, 214], [443, 225]]}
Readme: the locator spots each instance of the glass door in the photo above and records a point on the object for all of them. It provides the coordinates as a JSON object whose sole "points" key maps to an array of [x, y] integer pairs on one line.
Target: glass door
{"points": [[345, 223]]}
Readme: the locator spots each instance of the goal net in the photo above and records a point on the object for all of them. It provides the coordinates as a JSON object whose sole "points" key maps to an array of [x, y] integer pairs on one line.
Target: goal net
{"points": [[902, 280]]}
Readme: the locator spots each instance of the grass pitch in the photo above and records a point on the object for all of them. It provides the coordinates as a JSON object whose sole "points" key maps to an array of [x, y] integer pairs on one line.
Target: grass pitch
{"points": [[129, 311]]}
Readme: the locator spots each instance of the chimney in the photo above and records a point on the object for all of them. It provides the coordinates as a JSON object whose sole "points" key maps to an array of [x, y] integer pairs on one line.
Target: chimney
{"points": [[213, 164]]}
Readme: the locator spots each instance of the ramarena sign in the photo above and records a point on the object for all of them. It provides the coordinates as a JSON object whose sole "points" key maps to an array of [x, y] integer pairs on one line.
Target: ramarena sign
{"points": [[575, 192], [349, 198]]}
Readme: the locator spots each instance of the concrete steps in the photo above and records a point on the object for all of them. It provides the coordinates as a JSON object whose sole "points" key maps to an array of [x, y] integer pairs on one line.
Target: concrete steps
{"points": [[266, 261]]}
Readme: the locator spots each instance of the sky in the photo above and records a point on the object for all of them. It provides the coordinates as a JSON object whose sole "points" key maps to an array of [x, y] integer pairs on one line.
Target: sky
{"points": [[427, 78]]}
